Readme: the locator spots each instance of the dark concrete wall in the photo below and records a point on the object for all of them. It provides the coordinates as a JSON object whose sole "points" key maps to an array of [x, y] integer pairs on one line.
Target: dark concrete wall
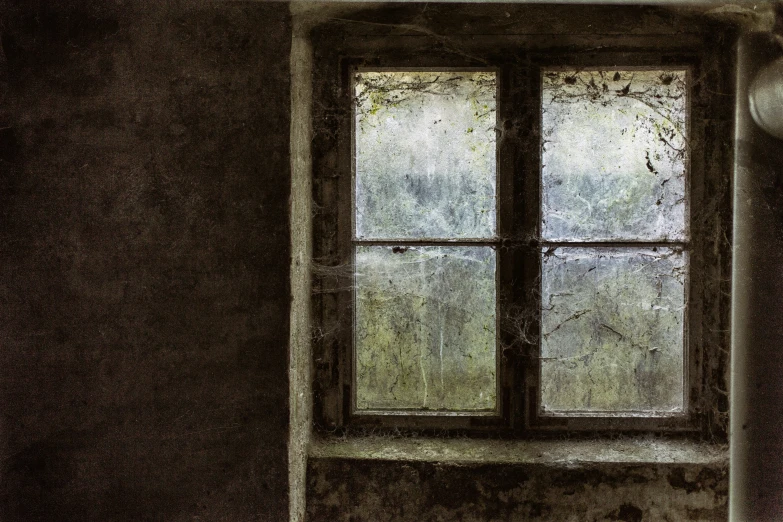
{"points": [[144, 252], [386, 491]]}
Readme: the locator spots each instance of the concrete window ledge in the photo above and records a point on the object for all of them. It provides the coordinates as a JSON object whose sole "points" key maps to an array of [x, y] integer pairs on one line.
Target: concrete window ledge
{"points": [[559, 453], [430, 479]]}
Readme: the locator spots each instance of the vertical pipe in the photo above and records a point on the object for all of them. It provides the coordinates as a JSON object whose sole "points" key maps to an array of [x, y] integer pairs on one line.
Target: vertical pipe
{"points": [[756, 430]]}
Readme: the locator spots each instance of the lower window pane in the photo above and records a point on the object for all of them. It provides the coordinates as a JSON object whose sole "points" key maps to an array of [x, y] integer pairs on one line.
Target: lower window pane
{"points": [[612, 337], [425, 328]]}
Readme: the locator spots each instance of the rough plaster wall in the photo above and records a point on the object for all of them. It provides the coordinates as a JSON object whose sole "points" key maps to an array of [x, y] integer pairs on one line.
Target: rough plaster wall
{"points": [[144, 251], [383, 491]]}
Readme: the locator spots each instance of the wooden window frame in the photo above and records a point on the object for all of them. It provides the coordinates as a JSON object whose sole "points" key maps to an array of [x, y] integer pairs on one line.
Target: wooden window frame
{"points": [[518, 63]]}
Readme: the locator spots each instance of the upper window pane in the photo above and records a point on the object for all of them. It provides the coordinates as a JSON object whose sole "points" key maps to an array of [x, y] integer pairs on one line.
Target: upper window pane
{"points": [[614, 155], [425, 154]]}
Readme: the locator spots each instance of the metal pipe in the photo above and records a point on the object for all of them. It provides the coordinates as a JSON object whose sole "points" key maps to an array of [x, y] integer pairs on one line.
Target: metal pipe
{"points": [[766, 99], [756, 428]]}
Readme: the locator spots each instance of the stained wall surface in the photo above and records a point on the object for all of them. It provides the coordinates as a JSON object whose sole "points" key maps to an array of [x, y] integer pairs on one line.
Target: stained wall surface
{"points": [[144, 258], [384, 491], [144, 292]]}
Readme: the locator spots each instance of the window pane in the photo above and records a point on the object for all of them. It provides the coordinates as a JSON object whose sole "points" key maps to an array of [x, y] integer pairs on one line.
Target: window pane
{"points": [[612, 329], [614, 155], [425, 154], [425, 328]]}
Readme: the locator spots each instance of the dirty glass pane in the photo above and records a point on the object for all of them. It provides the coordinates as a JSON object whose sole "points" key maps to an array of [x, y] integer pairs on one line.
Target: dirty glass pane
{"points": [[612, 329], [425, 328], [425, 154], [614, 155]]}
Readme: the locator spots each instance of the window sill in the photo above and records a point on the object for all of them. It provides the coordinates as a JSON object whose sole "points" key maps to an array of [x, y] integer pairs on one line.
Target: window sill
{"points": [[557, 453]]}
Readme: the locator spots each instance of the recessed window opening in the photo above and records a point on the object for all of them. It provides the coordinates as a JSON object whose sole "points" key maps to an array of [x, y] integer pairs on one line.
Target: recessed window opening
{"points": [[521, 241]]}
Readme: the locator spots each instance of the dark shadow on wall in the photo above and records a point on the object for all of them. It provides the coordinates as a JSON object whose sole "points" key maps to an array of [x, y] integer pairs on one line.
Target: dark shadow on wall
{"points": [[144, 251]]}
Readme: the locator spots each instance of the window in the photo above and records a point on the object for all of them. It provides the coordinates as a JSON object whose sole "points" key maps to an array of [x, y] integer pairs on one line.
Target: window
{"points": [[425, 242], [614, 241], [518, 240]]}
